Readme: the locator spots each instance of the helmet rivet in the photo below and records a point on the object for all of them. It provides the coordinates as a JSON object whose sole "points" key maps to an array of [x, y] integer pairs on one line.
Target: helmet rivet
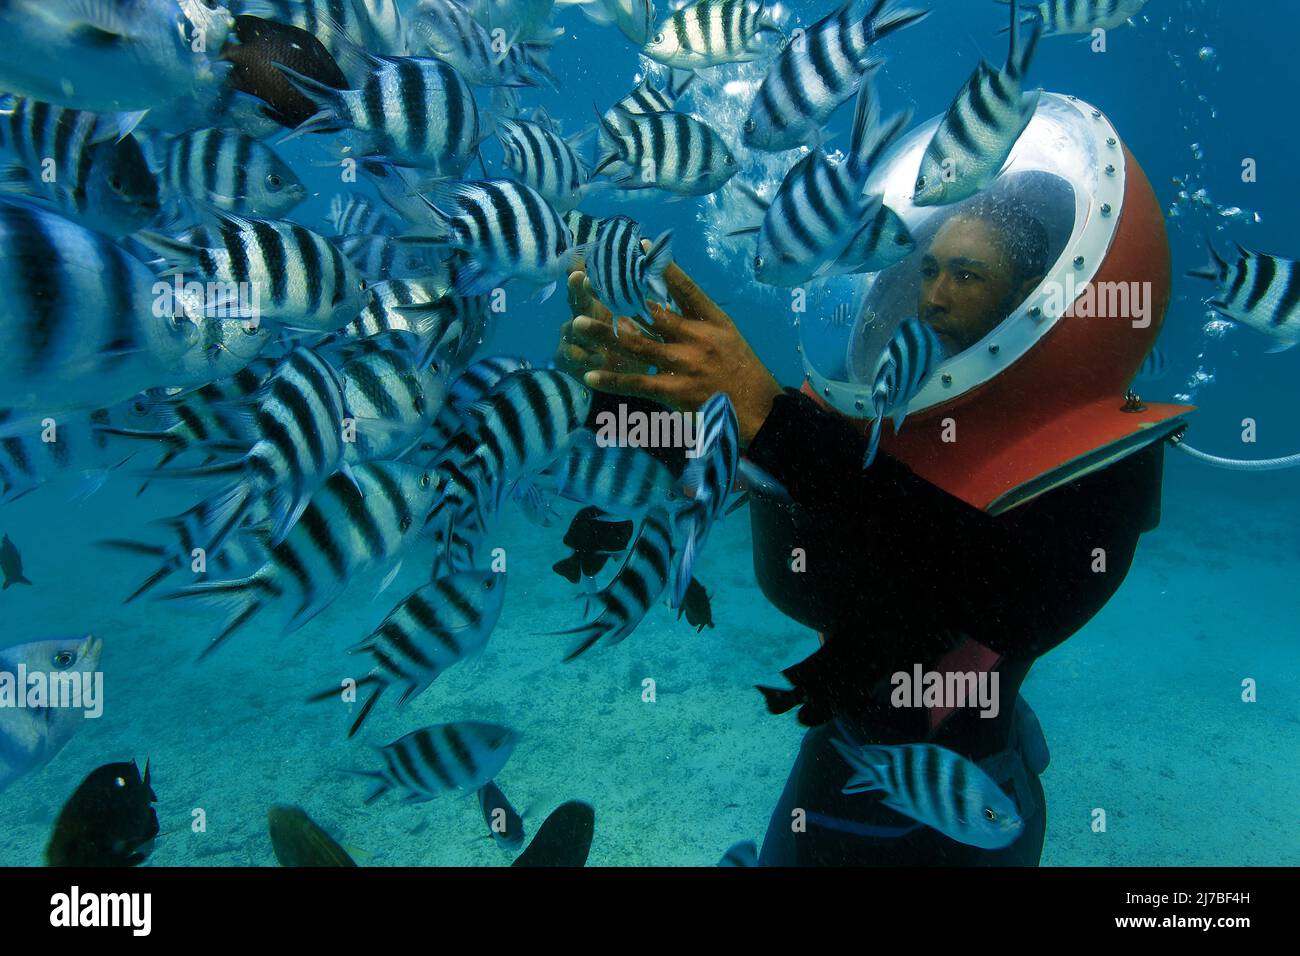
{"points": [[946, 379], [1110, 170], [994, 349], [1036, 311], [858, 405], [1105, 209], [807, 376], [826, 392], [1110, 140], [1096, 114], [1078, 262], [1072, 98]]}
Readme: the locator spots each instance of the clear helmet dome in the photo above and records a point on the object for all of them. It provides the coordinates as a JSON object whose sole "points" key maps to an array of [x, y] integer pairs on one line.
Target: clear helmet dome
{"points": [[1065, 176]]}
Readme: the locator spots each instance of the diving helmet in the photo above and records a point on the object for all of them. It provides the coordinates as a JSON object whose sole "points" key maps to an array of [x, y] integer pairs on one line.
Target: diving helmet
{"points": [[1043, 398]]}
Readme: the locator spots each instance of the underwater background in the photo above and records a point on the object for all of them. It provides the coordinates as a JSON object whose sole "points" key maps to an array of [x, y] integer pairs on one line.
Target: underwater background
{"points": [[1142, 709]]}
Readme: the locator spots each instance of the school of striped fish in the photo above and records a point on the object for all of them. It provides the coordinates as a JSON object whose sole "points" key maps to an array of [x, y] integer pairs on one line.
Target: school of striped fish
{"points": [[318, 388]]}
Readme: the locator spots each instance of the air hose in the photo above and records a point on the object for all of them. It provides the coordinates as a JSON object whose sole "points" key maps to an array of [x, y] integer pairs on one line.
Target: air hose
{"points": [[1235, 464]]}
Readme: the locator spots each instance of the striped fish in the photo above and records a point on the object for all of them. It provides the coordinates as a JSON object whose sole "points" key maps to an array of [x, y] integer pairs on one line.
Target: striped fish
{"points": [[582, 227], [981, 127], [354, 522], [518, 428], [1257, 290], [231, 172], [291, 275], [504, 822], [414, 111], [78, 161], [623, 274], [905, 365], [820, 223], [446, 29], [222, 348], [636, 18], [810, 79], [1062, 17], [357, 216], [393, 394], [80, 445], [442, 758], [467, 388], [1154, 367], [507, 231], [400, 190], [645, 98], [422, 306], [388, 31], [712, 473], [202, 419], [385, 257], [937, 787], [634, 589], [711, 32], [626, 482], [55, 351], [298, 418], [669, 151], [434, 628], [544, 161]]}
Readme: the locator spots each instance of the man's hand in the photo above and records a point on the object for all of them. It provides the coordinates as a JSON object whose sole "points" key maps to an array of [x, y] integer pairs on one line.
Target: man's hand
{"points": [[702, 353]]}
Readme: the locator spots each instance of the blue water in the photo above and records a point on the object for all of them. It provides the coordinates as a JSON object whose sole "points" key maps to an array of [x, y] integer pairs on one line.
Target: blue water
{"points": [[1142, 709]]}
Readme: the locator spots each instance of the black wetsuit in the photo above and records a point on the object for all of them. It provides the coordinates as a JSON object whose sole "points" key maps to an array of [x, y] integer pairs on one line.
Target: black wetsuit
{"points": [[899, 573]]}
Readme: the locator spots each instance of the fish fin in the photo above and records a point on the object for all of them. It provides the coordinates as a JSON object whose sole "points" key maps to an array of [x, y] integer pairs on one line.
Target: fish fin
{"points": [[1022, 43], [324, 97], [778, 700], [757, 481], [178, 255], [1281, 347], [289, 506], [389, 578], [16, 179], [874, 443], [239, 595], [750, 193]]}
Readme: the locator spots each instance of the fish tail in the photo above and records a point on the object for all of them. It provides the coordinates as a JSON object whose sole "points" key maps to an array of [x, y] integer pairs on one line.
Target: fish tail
{"points": [[1022, 44], [366, 708], [242, 596], [590, 634], [1215, 269], [882, 24], [324, 97], [692, 517], [780, 701], [866, 775], [383, 788]]}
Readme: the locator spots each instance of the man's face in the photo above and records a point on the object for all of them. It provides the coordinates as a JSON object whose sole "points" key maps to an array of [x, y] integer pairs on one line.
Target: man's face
{"points": [[967, 284]]}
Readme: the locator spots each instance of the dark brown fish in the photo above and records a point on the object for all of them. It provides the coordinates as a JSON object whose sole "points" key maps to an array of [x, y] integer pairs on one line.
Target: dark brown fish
{"points": [[564, 839], [593, 538], [108, 821], [696, 607], [298, 841], [264, 43], [11, 564]]}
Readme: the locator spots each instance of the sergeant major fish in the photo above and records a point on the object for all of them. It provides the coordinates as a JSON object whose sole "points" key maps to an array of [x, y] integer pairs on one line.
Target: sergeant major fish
{"points": [[1259, 291], [712, 32], [232, 172], [99, 177], [936, 787], [442, 758], [446, 29], [623, 274], [1061, 17], [810, 79], [981, 127], [668, 150], [906, 363], [432, 629]]}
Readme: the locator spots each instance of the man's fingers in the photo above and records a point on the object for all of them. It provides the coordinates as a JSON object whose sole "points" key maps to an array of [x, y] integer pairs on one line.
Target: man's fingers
{"points": [[629, 341], [582, 301], [690, 296], [656, 387]]}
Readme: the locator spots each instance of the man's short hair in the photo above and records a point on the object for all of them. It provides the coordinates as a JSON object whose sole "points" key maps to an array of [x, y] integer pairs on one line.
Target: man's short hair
{"points": [[1023, 237]]}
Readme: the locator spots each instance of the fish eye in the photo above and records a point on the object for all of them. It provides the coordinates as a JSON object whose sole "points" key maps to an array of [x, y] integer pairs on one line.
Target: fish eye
{"points": [[64, 659], [990, 815], [425, 479], [115, 183], [405, 523], [920, 182], [274, 182], [758, 262], [659, 38], [138, 407], [900, 239], [750, 126], [489, 584], [119, 781]]}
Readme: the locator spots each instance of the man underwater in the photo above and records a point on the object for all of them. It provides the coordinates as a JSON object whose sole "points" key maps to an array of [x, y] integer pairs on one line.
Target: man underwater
{"points": [[898, 573]]}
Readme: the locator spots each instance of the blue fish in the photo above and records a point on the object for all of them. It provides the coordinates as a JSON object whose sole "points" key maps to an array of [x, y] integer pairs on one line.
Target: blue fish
{"points": [[938, 787], [905, 365]]}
